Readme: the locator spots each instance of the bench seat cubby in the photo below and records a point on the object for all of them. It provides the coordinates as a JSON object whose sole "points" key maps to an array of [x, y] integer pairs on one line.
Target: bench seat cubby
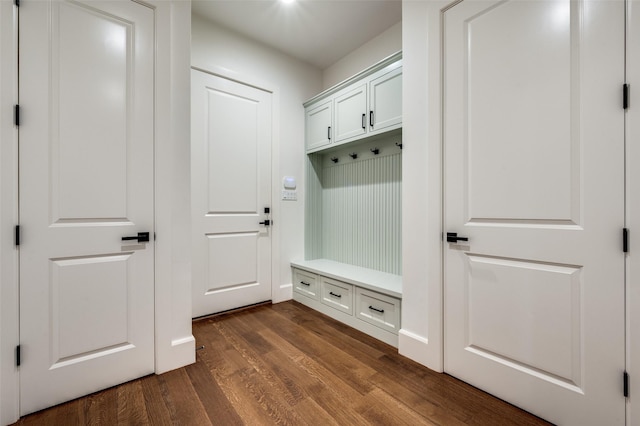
{"points": [[362, 298]]}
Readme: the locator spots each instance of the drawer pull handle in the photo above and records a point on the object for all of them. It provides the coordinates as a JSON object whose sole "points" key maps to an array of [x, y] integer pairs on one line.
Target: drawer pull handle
{"points": [[376, 309], [303, 283], [335, 294]]}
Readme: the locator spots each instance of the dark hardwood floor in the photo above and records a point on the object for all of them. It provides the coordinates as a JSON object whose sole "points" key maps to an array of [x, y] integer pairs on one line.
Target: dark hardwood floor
{"points": [[286, 364]]}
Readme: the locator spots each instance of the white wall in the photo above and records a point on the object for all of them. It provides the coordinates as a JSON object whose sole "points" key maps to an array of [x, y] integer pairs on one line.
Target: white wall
{"points": [[226, 53], [8, 217], [175, 346], [376, 49], [421, 335]]}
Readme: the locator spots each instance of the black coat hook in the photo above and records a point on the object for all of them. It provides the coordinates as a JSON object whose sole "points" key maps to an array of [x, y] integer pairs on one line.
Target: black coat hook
{"points": [[375, 151], [353, 155], [399, 145], [334, 159]]}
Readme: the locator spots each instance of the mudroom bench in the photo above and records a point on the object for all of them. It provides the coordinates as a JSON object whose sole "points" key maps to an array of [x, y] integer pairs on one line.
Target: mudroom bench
{"points": [[365, 299]]}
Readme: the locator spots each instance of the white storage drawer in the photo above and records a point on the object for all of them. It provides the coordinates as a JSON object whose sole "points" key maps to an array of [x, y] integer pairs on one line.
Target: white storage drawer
{"points": [[337, 294], [306, 283], [378, 309]]}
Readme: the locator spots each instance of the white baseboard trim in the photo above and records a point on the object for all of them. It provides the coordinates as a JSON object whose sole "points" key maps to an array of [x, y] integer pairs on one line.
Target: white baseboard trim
{"points": [[414, 347], [182, 353], [183, 341], [284, 293]]}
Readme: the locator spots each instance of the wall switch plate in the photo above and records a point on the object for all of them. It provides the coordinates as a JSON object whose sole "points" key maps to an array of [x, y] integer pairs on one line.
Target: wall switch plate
{"points": [[290, 195]]}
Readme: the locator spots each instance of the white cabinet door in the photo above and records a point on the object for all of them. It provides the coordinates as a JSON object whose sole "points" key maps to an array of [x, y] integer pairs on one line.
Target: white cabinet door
{"points": [[385, 101], [231, 186], [318, 125], [534, 177], [86, 181], [350, 114]]}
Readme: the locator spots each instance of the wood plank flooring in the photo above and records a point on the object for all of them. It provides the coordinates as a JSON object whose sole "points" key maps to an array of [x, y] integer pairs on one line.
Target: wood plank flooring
{"points": [[286, 364]]}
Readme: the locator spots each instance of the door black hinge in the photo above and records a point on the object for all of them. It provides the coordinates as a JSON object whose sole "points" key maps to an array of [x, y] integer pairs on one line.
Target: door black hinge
{"points": [[16, 2], [625, 96], [625, 240], [16, 115], [625, 384], [18, 356], [17, 236]]}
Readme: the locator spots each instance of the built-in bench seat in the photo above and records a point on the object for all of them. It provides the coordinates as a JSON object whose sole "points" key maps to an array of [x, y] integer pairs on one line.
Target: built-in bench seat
{"points": [[365, 299]]}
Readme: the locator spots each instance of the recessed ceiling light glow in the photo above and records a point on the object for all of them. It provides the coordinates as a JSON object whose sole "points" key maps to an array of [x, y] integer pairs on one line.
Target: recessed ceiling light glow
{"points": [[287, 1]]}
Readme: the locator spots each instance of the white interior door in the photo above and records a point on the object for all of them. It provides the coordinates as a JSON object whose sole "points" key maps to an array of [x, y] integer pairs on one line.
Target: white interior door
{"points": [[86, 181], [534, 161], [231, 187]]}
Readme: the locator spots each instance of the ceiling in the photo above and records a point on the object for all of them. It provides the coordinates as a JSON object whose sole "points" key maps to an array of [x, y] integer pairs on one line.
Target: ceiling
{"points": [[319, 32]]}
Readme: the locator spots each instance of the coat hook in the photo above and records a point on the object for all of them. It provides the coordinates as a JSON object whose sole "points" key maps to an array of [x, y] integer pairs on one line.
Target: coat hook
{"points": [[353, 155], [375, 151], [399, 145], [334, 159]]}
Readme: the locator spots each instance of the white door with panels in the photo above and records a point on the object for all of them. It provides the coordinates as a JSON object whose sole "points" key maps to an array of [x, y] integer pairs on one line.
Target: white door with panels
{"points": [[534, 204], [86, 184], [231, 193]]}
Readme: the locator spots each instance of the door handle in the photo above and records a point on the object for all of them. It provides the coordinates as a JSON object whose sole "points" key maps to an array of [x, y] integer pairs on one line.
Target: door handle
{"points": [[142, 237], [452, 237], [266, 223]]}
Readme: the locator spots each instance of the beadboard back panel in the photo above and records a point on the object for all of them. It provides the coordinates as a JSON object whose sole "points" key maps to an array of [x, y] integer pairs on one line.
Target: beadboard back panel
{"points": [[354, 211]]}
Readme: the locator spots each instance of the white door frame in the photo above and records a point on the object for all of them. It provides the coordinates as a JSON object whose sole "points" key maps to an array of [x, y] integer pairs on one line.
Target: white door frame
{"points": [[632, 212], [279, 292], [174, 345], [9, 301]]}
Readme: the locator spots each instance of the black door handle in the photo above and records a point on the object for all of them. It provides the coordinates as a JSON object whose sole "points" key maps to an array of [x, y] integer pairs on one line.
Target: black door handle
{"points": [[452, 237], [265, 223], [142, 237]]}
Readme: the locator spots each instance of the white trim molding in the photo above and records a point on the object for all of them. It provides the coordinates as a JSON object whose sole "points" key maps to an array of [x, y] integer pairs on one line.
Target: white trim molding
{"points": [[414, 347]]}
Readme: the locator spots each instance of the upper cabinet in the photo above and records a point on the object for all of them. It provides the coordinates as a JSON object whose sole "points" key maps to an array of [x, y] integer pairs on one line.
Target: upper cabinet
{"points": [[319, 117], [367, 104], [385, 101], [350, 113]]}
